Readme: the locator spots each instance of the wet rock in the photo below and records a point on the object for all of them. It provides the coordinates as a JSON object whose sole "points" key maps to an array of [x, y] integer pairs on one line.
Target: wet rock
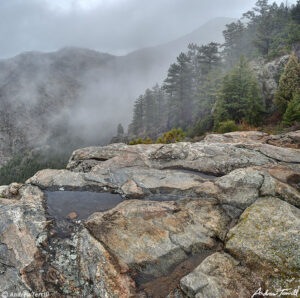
{"points": [[10, 191], [62, 180], [22, 231], [267, 239], [132, 190], [149, 237], [237, 137], [289, 140], [100, 272], [240, 188], [206, 157], [218, 276], [246, 207], [281, 182]]}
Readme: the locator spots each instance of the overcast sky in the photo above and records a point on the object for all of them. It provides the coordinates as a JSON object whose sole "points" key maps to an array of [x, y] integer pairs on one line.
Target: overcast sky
{"points": [[114, 26]]}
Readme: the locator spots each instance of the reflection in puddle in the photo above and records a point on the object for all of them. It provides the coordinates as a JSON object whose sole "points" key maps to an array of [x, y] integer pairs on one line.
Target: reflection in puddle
{"points": [[67, 206], [63, 203]]}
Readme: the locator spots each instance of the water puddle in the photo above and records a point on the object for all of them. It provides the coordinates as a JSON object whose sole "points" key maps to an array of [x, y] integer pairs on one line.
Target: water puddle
{"points": [[66, 207], [162, 286]]}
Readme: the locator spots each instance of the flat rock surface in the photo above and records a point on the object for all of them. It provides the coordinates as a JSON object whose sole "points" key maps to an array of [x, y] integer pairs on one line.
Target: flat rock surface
{"points": [[217, 218]]}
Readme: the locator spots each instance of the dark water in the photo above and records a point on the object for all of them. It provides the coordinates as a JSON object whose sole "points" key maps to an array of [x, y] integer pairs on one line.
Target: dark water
{"points": [[162, 286], [62, 203]]}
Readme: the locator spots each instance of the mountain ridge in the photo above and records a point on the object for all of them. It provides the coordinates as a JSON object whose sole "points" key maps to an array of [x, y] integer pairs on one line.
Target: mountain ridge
{"points": [[79, 92]]}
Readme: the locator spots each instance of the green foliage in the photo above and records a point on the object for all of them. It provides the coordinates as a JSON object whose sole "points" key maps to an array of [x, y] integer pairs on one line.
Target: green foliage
{"points": [[292, 113], [160, 140], [227, 126], [24, 165], [239, 97], [289, 84], [295, 12], [179, 87], [195, 86], [141, 141], [149, 113], [148, 141], [172, 136], [202, 126]]}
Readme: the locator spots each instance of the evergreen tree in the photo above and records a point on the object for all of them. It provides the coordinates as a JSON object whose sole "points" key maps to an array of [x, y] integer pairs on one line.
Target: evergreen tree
{"points": [[178, 86], [289, 84], [207, 94], [138, 115], [120, 129], [149, 110], [292, 113], [208, 57], [234, 42], [296, 12], [239, 97], [161, 109]]}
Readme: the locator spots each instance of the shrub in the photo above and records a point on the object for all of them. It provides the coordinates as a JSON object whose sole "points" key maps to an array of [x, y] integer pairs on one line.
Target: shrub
{"points": [[227, 126], [140, 141], [173, 136], [160, 140]]}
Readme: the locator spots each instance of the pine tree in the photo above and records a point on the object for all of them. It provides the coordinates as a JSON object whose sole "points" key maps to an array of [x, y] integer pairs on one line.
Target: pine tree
{"points": [[120, 129], [234, 42], [239, 97], [208, 57], [292, 113], [137, 124], [149, 110], [289, 84], [296, 12], [178, 86]]}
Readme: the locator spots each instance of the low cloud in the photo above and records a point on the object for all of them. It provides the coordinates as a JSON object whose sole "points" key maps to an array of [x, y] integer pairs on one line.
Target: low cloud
{"points": [[114, 26]]}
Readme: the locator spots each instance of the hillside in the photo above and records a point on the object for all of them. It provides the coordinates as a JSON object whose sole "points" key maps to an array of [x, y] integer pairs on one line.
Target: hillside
{"points": [[79, 93]]}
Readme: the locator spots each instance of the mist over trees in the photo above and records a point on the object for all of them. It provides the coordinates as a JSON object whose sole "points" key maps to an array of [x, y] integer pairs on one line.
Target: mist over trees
{"points": [[212, 84]]}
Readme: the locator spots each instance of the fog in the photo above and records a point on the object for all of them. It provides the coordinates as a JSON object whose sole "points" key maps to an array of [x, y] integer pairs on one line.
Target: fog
{"points": [[83, 93], [113, 26]]}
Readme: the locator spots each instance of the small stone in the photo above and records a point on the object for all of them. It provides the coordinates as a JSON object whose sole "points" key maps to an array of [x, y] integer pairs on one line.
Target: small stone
{"points": [[52, 233], [72, 215]]}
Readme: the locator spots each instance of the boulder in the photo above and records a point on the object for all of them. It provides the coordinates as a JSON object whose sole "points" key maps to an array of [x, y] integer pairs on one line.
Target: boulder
{"points": [[150, 237], [22, 230], [219, 276], [267, 240], [63, 180], [97, 267]]}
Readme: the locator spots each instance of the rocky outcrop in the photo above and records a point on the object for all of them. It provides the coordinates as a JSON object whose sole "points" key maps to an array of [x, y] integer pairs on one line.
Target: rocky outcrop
{"points": [[288, 140], [268, 74], [218, 218]]}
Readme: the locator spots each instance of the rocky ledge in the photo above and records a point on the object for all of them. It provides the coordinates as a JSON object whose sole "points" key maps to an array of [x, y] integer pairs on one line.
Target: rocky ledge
{"points": [[218, 218]]}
